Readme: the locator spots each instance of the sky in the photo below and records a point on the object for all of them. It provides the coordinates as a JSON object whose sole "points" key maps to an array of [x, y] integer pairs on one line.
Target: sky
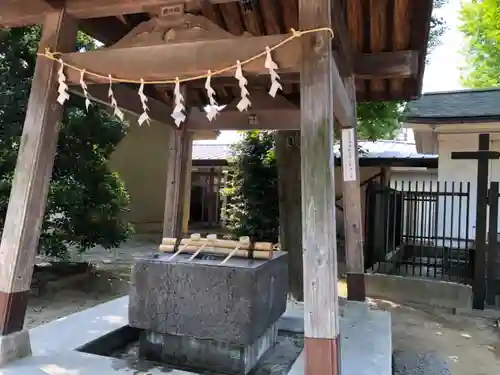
{"points": [[442, 73]]}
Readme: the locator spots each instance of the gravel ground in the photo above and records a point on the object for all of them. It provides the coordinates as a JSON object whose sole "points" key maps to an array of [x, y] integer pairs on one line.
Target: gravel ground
{"points": [[408, 363], [105, 285], [470, 345]]}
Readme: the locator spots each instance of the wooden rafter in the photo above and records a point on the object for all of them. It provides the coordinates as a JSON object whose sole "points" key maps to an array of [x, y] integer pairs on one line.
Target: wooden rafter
{"points": [[386, 65], [401, 64], [368, 27], [16, 13], [419, 38], [341, 42], [171, 60]]}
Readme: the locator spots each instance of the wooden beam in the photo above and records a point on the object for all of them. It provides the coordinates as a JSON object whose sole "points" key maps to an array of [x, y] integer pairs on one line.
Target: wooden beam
{"points": [[386, 65], [421, 12], [23, 222], [266, 113], [352, 206], [128, 101], [168, 61], [319, 238], [16, 13], [280, 119], [82, 9], [342, 41], [253, 80], [401, 39], [379, 37], [342, 106]]}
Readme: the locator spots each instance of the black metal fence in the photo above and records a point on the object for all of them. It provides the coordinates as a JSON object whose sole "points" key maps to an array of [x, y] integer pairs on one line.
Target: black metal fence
{"points": [[419, 228]]}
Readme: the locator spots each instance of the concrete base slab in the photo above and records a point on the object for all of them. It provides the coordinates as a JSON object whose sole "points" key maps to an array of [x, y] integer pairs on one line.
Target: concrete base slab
{"points": [[14, 346], [298, 366], [365, 335], [365, 343], [203, 354], [77, 363], [356, 308], [92, 324]]}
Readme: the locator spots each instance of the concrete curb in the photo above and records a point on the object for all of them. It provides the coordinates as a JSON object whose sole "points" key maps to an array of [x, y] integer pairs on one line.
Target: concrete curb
{"points": [[430, 292]]}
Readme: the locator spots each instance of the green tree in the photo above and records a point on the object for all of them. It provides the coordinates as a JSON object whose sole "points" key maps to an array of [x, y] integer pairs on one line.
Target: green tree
{"points": [[253, 185], [438, 27], [481, 26], [86, 200], [378, 120]]}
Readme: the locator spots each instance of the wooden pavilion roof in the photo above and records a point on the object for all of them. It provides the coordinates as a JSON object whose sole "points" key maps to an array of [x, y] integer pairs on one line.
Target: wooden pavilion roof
{"points": [[383, 42]]}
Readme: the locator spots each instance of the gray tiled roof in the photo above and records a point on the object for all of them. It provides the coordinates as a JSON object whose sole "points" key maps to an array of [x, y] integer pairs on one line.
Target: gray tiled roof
{"points": [[383, 149], [456, 104], [371, 150], [211, 151]]}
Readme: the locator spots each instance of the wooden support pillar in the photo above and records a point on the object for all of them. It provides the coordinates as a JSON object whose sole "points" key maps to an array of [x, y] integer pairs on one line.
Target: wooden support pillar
{"points": [[187, 190], [288, 163], [178, 168], [352, 205], [319, 239], [30, 186], [211, 216], [218, 196]]}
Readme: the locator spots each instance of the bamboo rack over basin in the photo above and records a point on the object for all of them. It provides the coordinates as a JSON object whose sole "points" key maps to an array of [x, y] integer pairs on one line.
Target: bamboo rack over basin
{"points": [[212, 245]]}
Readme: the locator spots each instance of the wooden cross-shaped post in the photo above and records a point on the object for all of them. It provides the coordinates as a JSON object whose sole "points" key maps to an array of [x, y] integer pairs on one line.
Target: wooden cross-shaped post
{"points": [[483, 157]]}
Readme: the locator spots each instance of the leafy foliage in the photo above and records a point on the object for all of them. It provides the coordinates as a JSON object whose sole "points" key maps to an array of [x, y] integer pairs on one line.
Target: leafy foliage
{"points": [[378, 120], [86, 200], [481, 26], [252, 186], [438, 27]]}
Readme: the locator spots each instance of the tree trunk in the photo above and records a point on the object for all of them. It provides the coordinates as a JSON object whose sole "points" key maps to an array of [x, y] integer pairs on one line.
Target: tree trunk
{"points": [[288, 162]]}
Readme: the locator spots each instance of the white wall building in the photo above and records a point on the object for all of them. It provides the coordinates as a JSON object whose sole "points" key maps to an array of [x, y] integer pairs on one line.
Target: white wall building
{"points": [[446, 122]]}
